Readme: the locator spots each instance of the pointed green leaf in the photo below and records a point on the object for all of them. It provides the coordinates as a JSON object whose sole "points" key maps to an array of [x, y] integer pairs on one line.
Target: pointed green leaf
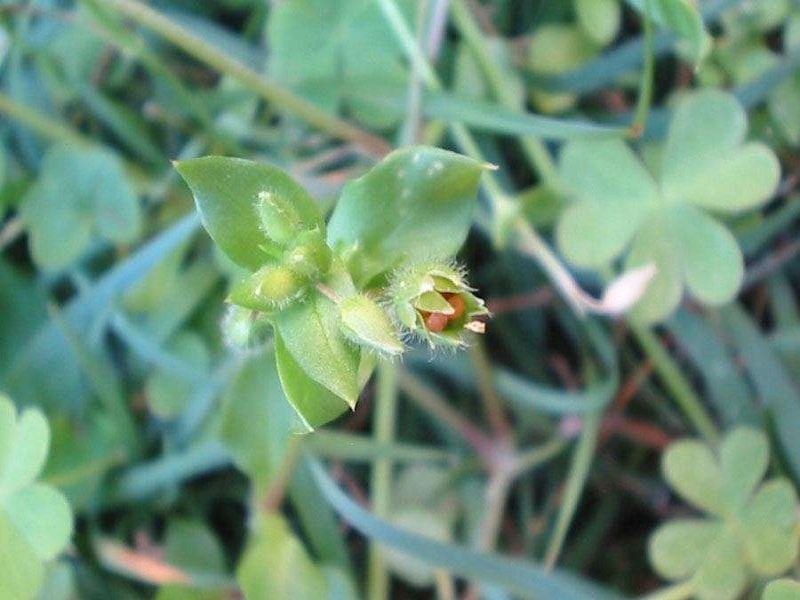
{"points": [[315, 404], [414, 194], [227, 192]]}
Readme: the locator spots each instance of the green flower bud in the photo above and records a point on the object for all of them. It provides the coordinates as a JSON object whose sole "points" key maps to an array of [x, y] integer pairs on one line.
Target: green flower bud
{"points": [[310, 256], [244, 329], [367, 324], [270, 288], [434, 301], [278, 218]]}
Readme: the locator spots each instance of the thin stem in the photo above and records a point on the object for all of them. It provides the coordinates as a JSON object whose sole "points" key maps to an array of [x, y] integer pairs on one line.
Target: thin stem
{"points": [[492, 402], [270, 91], [648, 75], [385, 418], [431, 402], [579, 470], [534, 457], [680, 389], [41, 124], [276, 491], [475, 39]]}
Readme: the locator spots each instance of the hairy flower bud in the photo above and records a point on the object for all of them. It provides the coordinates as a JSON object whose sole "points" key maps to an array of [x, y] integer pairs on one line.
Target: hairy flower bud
{"points": [[278, 218], [367, 324], [434, 301], [272, 287], [310, 256]]}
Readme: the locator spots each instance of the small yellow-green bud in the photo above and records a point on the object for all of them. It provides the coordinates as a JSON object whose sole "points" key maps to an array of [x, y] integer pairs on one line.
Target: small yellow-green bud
{"points": [[310, 256], [367, 324], [270, 288], [278, 218]]}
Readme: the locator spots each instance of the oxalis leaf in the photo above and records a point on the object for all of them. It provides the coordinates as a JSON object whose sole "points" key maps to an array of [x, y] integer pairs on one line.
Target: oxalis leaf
{"points": [[82, 193], [230, 193], [320, 46], [35, 519], [750, 531], [620, 210], [417, 204]]}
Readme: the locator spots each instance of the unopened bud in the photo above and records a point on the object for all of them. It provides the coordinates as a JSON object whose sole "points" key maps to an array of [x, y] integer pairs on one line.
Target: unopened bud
{"points": [[367, 324], [278, 218], [270, 288], [243, 329], [311, 256]]}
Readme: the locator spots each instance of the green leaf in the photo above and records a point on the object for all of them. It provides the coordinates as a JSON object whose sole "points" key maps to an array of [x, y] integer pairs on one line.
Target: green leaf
{"points": [[275, 565], [768, 523], [168, 393], [35, 519], [692, 471], [525, 580], [311, 333], [256, 420], [684, 19], [557, 48], [678, 548], [705, 162], [227, 192], [653, 245], [414, 194], [613, 194], [617, 206], [80, 193], [314, 403], [320, 47], [722, 575], [782, 589], [744, 457]]}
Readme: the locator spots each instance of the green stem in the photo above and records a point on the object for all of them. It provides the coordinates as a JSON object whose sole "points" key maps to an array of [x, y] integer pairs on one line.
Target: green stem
{"points": [[578, 472], [648, 75], [273, 93], [41, 124], [385, 418], [680, 389], [475, 39]]}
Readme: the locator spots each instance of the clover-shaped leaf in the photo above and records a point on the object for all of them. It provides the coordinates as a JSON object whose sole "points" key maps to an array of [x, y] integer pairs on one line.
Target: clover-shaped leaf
{"points": [[82, 193], [322, 48], [621, 210], [35, 519], [749, 530], [782, 589]]}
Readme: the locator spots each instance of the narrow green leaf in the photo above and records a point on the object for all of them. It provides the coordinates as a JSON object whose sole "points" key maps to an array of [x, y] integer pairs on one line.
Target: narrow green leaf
{"points": [[523, 579]]}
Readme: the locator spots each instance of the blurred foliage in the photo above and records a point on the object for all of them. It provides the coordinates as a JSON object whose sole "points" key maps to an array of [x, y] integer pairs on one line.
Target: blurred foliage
{"points": [[525, 465]]}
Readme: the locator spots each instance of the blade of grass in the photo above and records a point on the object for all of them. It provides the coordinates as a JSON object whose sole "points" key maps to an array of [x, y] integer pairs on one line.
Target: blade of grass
{"points": [[523, 579]]}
